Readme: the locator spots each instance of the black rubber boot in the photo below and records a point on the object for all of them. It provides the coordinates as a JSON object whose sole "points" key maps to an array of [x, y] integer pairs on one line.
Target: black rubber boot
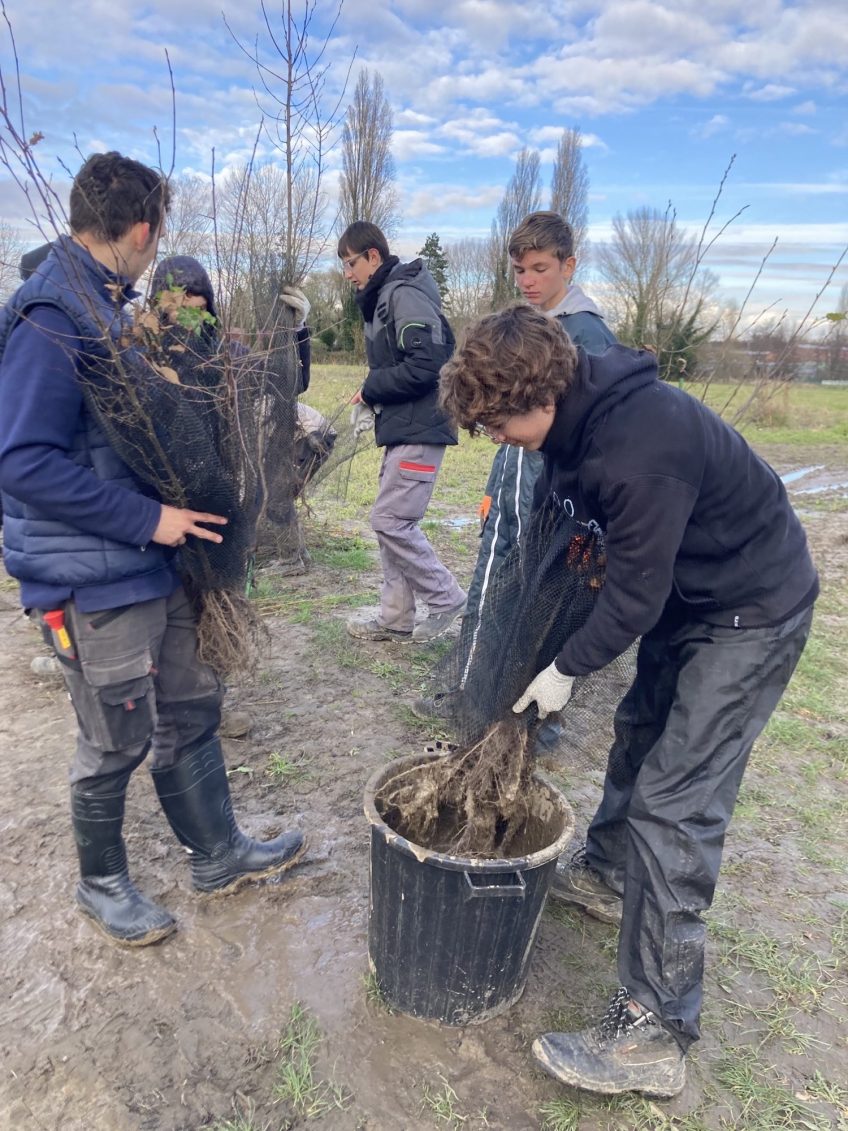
{"points": [[105, 891], [195, 796]]}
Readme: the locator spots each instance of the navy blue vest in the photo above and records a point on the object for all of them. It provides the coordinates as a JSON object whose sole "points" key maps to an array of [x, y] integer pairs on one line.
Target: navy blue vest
{"points": [[36, 547]]}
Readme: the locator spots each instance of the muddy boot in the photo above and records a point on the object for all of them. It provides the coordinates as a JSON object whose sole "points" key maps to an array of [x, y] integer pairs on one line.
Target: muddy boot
{"points": [[195, 796], [628, 1051], [105, 891], [576, 881]]}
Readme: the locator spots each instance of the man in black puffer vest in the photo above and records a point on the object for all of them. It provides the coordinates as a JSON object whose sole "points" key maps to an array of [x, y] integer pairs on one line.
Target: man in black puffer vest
{"points": [[407, 340], [708, 564], [94, 550]]}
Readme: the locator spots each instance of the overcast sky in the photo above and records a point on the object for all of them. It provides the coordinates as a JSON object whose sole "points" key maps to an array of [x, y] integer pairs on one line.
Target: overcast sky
{"points": [[663, 93]]}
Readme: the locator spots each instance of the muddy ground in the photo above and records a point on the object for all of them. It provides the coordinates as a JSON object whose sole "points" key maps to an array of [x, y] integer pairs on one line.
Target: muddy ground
{"points": [[184, 1035]]}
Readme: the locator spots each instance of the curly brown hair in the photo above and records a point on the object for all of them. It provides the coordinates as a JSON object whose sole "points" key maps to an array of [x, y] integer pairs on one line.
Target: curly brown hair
{"points": [[507, 364]]}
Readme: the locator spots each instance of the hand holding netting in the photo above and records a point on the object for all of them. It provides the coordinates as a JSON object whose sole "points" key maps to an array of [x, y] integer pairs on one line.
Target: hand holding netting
{"points": [[550, 690], [295, 298]]}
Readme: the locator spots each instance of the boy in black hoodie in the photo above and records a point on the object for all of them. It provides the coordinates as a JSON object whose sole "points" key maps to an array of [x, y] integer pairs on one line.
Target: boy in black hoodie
{"points": [[708, 564]]}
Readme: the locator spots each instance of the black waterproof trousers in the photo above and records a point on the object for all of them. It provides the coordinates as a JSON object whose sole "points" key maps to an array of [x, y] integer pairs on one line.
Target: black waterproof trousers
{"points": [[683, 732]]}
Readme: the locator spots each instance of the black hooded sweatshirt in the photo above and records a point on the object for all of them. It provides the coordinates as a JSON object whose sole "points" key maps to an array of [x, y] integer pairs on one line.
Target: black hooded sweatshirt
{"points": [[689, 511]]}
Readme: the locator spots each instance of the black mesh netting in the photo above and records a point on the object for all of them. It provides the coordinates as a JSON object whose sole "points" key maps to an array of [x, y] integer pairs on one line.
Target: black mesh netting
{"points": [[211, 428], [473, 800]]}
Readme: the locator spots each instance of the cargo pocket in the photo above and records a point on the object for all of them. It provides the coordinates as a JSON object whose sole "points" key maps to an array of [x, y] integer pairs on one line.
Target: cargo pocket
{"points": [[422, 472], [122, 702]]}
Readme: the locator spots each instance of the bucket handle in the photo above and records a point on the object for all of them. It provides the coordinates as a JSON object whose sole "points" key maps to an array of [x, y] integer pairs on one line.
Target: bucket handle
{"points": [[495, 890]]}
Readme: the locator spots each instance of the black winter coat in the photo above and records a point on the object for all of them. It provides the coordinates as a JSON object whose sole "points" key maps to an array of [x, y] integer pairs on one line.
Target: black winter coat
{"points": [[690, 512], [407, 340]]}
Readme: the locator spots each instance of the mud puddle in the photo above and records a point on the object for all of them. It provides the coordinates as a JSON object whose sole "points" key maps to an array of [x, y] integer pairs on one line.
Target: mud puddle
{"points": [[816, 480]]}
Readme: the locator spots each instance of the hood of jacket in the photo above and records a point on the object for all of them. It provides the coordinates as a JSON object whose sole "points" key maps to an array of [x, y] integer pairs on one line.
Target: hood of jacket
{"points": [[415, 274], [600, 382], [184, 271], [574, 302]]}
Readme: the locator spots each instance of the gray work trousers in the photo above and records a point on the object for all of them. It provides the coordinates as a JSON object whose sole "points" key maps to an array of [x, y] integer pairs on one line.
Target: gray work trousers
{"points": [[701, 696], [410, 566], [133, 672]]}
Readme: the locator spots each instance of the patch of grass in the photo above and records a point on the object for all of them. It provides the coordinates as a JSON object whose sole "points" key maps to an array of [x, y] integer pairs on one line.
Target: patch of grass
{"points": [[818, 1088], [241, 1121], [566, 1019], [778, 1024], [296, 1083], [618, 1113], [560, 1115], [794, 975], [404, 714], [765, 1105], [394, 675], [348, 552], [373, 993], [283, 768], [442, 1103], [331, 634]]}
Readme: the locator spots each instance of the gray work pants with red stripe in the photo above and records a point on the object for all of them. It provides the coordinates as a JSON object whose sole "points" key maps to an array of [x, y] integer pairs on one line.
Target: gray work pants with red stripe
{"points": [[410, 566]]}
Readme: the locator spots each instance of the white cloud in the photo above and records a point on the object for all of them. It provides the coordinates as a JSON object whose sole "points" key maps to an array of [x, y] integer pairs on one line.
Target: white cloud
{"points": [[717, 124], [837, 187], [771, 92], [409, 144], [436, 199], [796, 129], [808, 107], [413, 118], [542, 134]]}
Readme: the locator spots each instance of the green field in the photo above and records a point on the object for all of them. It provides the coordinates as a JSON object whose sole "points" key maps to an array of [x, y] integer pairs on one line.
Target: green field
{"points": [[796, 415]]}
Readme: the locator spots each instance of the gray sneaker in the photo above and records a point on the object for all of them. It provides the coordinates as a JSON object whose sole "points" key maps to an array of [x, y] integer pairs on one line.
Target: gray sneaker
{"points": [[578, 882], [373, 630], [437, 624], [628, 1051]]}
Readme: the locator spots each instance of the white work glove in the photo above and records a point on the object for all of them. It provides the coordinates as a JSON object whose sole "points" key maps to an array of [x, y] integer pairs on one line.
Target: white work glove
{"points": [[550, 689], [298, 301], [361, 419]]}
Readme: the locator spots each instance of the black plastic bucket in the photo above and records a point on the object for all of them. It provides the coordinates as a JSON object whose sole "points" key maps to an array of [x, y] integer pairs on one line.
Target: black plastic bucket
{"points": [[449, 937]]}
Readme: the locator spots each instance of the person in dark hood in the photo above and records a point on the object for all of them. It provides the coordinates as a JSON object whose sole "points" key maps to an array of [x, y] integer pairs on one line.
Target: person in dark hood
{"points": [[708, 564], [407, 339], [187, 279]]}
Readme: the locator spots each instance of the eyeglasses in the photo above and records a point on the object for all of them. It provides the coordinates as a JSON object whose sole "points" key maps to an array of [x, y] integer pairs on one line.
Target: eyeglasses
{"points": [[348, 264], [489, 431]]}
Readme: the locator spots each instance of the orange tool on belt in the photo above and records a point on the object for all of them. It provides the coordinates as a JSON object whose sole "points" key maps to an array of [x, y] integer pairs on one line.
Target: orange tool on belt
{"points": [[55, 620]]}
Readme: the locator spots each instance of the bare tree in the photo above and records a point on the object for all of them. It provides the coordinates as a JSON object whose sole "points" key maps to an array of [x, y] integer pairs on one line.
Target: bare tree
{"points": [[469, 281], [189, 227], [251, 216], [836, 365], [327, 292], [658, 294], [570, 188], [523, 194], [367, 187], [301, 120], [11, 250]]}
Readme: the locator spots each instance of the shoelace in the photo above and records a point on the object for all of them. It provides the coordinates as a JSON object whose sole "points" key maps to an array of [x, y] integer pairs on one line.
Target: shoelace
{"points": [[618, 1019]]}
